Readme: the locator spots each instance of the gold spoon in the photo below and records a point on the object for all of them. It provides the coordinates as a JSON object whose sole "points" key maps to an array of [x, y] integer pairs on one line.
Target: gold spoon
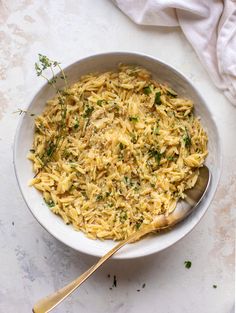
{"points": [[183, 209]]}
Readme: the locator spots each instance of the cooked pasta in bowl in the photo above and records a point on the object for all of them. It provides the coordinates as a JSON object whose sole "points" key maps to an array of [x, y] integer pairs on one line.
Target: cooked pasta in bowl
{"points": [[117, 146]]}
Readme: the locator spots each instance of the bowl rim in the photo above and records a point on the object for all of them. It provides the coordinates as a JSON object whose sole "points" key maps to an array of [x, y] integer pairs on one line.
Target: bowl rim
{"points": [[219, 148]]}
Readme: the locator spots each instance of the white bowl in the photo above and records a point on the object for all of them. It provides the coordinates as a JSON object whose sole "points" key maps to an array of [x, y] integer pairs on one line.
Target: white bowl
{"points": [[54, 224]]}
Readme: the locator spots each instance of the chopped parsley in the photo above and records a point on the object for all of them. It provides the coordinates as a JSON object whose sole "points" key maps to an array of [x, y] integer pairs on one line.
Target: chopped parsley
{"points": [[123, 216], [214, 286], [144, 285], [99, 102], [188, 264], [157, 98], [32, 150], [99, 197], [66, 154], [128, 181], [156, 155], [133, 118], [76, 125], [156, 129], [187, 140], [139, 223], [147, 90], [50, 203], [88, 111], [121, 146], [134, 138]]}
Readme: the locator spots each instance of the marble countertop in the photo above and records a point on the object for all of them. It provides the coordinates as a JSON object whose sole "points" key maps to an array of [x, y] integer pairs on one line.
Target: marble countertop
{"points": [[33, 263]]}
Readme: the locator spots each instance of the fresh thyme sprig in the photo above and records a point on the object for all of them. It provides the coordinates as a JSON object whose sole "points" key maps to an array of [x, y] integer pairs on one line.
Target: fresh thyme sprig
{"points": [[21, 111], [43, 65]]}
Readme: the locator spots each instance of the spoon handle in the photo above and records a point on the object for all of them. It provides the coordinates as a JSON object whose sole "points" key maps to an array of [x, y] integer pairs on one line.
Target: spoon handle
{"points": [[48, 303]]}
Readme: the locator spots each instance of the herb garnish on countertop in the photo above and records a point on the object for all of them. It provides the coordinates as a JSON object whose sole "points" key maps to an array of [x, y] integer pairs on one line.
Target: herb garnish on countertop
{"points": [[188, 264]]}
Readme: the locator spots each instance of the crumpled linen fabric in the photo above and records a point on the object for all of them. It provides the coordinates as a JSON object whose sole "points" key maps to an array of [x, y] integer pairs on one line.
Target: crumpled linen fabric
{"points": [[209, 25]]}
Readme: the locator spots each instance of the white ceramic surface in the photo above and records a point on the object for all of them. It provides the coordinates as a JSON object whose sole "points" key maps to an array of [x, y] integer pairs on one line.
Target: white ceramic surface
{"points": [[53, 223]]}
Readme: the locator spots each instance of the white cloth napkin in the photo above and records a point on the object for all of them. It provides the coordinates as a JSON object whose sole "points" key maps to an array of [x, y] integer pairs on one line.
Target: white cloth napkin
{"points": [[209, 25]]}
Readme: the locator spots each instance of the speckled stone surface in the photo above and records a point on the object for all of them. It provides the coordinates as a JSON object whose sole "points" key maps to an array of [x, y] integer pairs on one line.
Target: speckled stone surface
{"points": [[32, 262]]}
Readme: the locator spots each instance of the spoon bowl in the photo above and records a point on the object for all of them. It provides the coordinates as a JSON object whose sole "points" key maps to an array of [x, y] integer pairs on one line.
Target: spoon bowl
{"points": [[193, 197]]}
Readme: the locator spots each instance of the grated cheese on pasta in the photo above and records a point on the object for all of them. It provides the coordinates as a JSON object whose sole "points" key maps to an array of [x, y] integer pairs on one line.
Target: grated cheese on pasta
{"points": [[131, 148]]}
